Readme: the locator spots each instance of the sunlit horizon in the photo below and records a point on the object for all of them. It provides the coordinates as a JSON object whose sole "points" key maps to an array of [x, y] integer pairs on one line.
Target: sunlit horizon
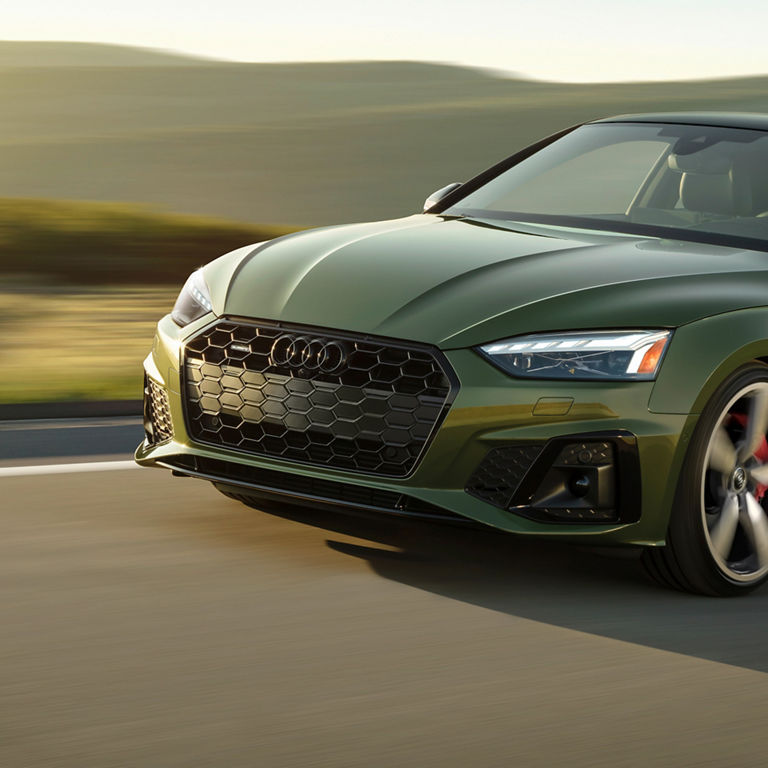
{"points": [[594, 41], [490, 70]]}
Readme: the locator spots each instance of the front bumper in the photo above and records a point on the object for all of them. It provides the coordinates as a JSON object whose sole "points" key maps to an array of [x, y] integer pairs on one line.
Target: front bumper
{"points": [[491, 412]]}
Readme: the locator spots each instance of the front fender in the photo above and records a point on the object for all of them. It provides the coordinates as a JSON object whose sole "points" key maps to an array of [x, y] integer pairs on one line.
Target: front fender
{"points": [[702, 354]]}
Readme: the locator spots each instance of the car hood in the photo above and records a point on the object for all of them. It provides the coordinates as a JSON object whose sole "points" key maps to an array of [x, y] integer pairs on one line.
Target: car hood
{"points": [[458, 283]]}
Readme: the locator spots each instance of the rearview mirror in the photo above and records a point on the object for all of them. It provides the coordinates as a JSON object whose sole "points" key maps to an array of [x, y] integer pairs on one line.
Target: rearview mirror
{"points": [[436, 197]]}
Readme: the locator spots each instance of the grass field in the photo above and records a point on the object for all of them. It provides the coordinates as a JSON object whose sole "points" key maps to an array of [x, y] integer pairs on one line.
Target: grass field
{"points": [[77, 344], [53, 241]]}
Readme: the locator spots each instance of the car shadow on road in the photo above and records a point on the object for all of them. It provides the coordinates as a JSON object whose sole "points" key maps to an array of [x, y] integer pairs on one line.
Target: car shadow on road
{"points": [[602, 592]]}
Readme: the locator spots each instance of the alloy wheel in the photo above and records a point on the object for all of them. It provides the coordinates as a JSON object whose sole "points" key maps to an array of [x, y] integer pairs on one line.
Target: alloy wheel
{"points": [[734, 485]]}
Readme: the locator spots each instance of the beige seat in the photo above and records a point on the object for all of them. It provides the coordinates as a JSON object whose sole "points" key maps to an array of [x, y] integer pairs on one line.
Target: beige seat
{"points": [[714, 185]]}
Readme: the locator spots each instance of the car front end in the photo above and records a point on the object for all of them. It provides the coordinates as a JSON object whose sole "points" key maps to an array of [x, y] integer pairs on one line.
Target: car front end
{"points": [[277, 411], [572, 344]]}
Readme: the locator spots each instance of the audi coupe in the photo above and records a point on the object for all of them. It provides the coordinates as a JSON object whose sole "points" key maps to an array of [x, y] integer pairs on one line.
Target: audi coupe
{"points": [[572, 344]]}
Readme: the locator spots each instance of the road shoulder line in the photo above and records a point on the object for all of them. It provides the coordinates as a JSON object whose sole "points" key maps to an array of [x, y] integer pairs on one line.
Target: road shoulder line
{"points": [[63, 469]]}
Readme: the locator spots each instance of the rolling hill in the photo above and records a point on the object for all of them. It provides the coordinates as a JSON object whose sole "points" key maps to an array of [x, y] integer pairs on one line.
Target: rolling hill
{"points": [[34, 53], [289, 144]]}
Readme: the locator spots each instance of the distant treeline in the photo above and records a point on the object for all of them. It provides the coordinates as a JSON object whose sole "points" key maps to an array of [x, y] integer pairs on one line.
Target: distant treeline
{"points": [[84, 242]]}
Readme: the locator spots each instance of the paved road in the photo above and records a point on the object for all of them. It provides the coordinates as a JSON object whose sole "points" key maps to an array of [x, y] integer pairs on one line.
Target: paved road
{"points": [[23, 442], [149, 621]]}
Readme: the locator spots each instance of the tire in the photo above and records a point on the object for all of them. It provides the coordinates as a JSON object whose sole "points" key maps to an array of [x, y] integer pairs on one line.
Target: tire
{"points": [[717, 540]]}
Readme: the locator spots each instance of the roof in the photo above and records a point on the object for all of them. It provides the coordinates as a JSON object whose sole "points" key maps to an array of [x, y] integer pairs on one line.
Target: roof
{"points": [[751, 120]]}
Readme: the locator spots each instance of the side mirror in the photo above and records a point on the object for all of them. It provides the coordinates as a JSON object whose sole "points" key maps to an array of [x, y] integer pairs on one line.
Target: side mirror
{"points": [[436, 197]]}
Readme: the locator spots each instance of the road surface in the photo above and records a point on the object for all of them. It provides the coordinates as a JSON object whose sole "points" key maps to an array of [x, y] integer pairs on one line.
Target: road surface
{"points": [[149, 621]]}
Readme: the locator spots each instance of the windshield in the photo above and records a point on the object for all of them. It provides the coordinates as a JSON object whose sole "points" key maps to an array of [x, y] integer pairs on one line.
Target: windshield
{"points": [[688, 182]]}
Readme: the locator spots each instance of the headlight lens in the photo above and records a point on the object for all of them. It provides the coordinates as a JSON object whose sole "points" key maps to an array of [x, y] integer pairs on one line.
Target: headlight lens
{"points": [[194, 300], [595, 355]]}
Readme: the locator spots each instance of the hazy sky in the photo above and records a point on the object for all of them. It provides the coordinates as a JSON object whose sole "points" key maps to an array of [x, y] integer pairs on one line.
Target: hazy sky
{"points": [[548, 39]]}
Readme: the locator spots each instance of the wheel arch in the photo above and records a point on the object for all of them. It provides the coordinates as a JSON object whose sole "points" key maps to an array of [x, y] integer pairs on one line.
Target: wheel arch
{"points": [[690, 561], [702, 355]]}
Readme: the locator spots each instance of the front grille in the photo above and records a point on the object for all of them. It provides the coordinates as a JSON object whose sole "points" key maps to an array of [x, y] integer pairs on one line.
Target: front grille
{"points": [[348, 402], [157, 412], [305, 487]]}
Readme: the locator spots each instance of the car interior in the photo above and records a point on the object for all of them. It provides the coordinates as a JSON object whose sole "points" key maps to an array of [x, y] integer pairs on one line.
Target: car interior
{"points": [[722, 186]]}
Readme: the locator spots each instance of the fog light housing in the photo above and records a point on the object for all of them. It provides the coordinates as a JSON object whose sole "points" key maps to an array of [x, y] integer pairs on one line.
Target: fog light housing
{"points": [[588, 478], [579, 484]]}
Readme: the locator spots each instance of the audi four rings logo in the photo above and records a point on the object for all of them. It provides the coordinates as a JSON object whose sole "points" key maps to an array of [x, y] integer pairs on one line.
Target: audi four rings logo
{"points": [[308, 353]]}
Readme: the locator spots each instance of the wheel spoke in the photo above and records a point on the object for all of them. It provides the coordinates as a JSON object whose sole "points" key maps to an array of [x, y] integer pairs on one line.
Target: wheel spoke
{"points": [[759, 474], [722, 455], [755, 525], [757, 423], [724, 529]]}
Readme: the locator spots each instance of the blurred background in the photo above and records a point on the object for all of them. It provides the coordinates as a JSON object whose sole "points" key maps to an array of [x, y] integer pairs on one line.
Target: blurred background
{"points": [[123, 167], [149, 621]]}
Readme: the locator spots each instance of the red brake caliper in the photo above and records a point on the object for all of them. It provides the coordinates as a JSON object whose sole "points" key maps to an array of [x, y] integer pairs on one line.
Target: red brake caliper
{"points": [[761, 454]]}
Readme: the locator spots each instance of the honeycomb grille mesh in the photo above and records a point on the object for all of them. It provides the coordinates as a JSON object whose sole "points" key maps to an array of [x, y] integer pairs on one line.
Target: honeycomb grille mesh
{"points": [[157, 412], [348, 402], [499, 474]]}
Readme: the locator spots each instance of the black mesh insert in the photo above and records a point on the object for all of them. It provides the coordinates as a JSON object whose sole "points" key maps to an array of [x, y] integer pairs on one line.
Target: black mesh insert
{"points": [[499, 474], [157, 412], [349, 402]]}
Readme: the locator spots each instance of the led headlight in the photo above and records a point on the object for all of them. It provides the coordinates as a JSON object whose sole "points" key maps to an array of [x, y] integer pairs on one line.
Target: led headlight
{"points": [[194, 300], [601, 355]]}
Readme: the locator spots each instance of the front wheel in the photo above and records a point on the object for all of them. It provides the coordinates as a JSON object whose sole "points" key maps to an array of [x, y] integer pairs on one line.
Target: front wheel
{"points": [[717, 541]]}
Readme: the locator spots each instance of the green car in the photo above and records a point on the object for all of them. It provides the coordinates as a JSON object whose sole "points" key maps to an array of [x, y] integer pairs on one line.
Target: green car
{"points": [[573, 344]]}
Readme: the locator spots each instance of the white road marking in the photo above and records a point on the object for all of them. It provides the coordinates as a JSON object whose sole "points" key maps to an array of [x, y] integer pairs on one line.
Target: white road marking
{"points": [[29, 425], [63, 469]]}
